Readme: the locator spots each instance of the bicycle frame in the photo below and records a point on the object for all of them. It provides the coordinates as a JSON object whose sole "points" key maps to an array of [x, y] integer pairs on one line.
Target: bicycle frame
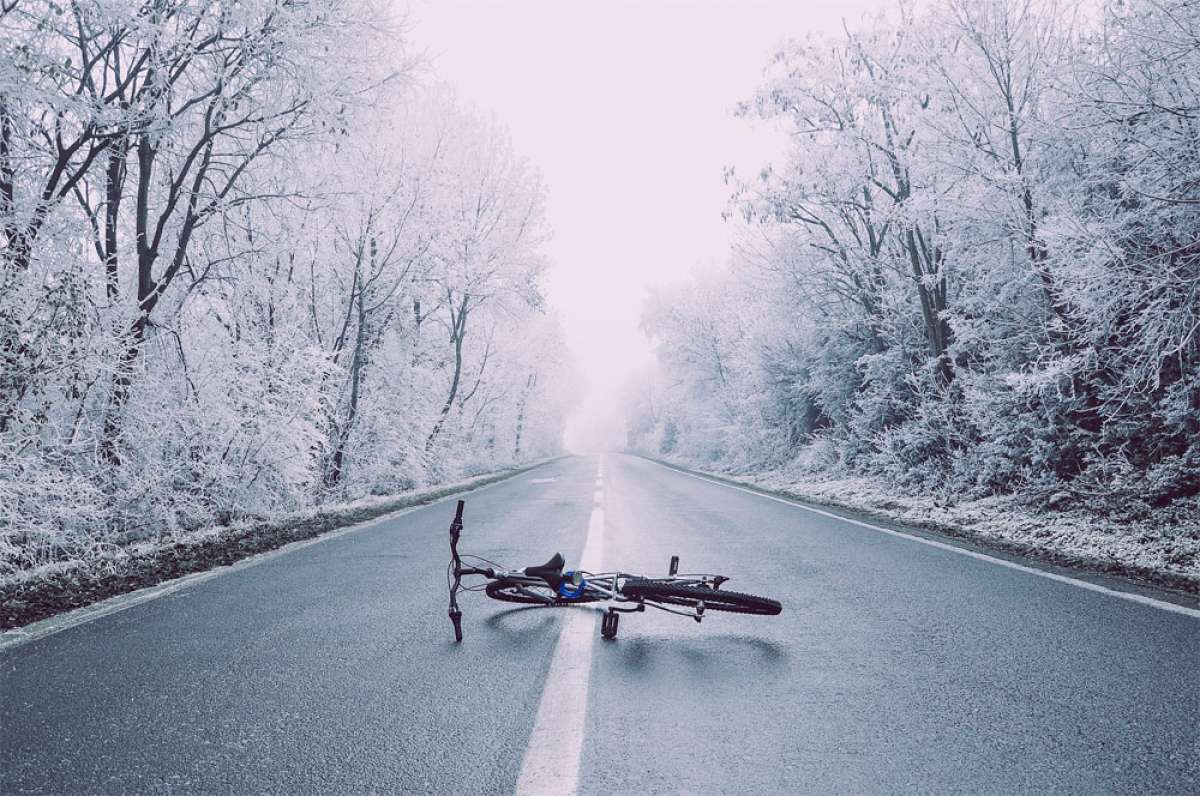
{"points": [[607, 587]]}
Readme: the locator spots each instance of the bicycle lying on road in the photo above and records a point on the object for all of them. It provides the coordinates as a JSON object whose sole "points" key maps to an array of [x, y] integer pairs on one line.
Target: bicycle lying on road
{"points": [[548, 585]]}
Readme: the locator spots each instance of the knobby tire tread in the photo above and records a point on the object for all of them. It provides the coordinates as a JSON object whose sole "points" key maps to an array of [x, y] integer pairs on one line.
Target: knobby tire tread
{"points": [[713, 599]]}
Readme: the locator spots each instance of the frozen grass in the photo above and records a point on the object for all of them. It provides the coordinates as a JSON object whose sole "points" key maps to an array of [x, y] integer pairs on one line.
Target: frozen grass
{"points": [[1160, 546], [33, 594]]}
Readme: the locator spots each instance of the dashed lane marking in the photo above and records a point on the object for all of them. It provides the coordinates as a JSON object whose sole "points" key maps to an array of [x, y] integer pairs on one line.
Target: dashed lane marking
{"points": [[551, 764]]}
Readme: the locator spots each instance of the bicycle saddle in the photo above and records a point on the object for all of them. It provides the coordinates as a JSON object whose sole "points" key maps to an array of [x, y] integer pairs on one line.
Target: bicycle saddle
{"points": [[551, 571]]}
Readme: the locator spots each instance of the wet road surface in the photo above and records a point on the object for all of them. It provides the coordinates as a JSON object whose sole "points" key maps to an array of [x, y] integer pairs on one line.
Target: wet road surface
{"points": [[895, 666]]}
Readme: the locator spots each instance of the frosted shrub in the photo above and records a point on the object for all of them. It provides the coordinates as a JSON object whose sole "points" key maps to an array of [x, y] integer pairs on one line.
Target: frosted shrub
{"points": [[48, 512]]}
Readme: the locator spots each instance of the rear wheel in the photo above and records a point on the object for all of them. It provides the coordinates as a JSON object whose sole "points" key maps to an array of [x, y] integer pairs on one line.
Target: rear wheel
{"points": [[511, 591], [691, 596]]}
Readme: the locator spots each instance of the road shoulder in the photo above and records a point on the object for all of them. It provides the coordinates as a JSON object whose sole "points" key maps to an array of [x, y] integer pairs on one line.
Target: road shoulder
{"points": [[1111, 573], [154, 568]]}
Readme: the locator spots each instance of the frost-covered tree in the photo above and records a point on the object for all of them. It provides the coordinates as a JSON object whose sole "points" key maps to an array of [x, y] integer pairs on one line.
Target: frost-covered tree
{"points": [[248, 264], [976, 268]]}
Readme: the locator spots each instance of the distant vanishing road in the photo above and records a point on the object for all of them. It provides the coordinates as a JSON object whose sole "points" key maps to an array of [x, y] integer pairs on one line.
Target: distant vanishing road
{"points": [[895, 666]]}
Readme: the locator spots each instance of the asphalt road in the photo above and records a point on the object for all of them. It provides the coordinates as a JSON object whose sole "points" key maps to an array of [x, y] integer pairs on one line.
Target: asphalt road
{"points": [[896, 666]]}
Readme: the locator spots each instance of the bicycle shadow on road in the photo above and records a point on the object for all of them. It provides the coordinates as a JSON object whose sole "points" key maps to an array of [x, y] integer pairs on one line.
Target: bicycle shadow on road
{"points": [[714, 657], [525, 623], [514, 628]]}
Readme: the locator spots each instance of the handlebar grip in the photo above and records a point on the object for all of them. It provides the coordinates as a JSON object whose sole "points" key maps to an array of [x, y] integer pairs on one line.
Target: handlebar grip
{"points": [[458, 514]]}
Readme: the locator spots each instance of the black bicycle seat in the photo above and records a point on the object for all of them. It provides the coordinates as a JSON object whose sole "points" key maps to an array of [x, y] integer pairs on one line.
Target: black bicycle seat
{"points": [[551, 571]]}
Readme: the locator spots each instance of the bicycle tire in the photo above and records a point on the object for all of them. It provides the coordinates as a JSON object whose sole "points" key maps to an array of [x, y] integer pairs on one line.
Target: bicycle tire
{"points": [[509, 591], [714, 599]]}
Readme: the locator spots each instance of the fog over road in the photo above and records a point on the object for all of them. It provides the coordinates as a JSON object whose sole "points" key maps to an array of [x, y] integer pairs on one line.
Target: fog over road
{"points": [[895, 666]]}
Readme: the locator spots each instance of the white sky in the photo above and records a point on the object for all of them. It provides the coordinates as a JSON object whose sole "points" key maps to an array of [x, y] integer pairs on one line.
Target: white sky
{"points": [[626, 108]]}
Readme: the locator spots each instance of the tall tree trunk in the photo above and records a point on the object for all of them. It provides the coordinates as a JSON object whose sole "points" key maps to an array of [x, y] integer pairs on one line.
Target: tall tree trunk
{"points": [[121, 384], [114, 181], [933, 301], [529, 384], [458, 332], [146, 298], [8, 207], [11, 350], [333, 474], [149, 290], [336, 468]]}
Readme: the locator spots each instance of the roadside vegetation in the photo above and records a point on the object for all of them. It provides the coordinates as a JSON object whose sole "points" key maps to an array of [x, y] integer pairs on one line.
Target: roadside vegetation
{"points": [[41, 592], [973, 281], [254, 261]]}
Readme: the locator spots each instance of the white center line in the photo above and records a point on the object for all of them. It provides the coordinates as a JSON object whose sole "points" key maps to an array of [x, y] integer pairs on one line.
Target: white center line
{"points": [[1141, 599], [551, 764]]}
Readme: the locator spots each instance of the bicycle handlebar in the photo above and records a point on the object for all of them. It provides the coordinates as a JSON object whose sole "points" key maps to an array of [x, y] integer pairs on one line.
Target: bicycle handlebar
{"points": [[456, 565], [457, 570]]}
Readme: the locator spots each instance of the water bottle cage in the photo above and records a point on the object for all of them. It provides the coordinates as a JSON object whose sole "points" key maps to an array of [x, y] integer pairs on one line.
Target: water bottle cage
{"points": [[568, 588]]}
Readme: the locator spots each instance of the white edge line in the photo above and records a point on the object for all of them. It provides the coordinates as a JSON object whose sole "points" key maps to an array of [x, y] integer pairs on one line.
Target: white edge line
{"points": [[11, 639], [1041, 573]]}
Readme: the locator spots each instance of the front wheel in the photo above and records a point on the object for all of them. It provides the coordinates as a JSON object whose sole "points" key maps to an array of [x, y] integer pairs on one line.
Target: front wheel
{"points": [[691, 596], [511, 591]]}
